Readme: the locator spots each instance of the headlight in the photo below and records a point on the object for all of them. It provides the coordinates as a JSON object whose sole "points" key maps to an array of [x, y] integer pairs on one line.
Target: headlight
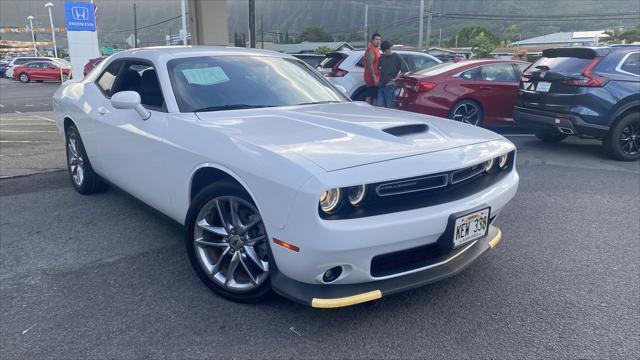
{"points": [[489, 165], [502, 161], [357, 194], [329, 200]]}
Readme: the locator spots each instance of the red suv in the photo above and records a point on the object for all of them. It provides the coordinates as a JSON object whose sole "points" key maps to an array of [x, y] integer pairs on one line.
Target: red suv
{"points": [[478, 92]]}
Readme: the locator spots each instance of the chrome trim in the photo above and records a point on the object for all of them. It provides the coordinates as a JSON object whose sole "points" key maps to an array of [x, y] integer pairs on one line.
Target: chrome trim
{"points": [[444, 176], [481, 170], [619, 67]]}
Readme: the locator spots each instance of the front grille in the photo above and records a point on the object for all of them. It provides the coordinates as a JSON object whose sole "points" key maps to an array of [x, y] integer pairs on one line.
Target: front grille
{"points": [[422, 191], [414, 258]]}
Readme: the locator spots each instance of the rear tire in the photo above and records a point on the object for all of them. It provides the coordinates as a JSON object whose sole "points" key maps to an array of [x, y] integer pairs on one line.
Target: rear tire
{"points": [[83, 178], [24, 78], [623, 141], [549, 136], [468, 112], [214, 243]]}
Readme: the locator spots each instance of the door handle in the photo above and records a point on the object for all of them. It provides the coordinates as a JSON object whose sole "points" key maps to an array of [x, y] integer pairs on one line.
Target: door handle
{"points": [[102, 110], [485, 88]]}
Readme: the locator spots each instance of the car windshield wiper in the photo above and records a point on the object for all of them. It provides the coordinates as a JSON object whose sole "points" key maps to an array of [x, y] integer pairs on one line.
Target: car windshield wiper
{"points": [[320, 102], [231, 107]]}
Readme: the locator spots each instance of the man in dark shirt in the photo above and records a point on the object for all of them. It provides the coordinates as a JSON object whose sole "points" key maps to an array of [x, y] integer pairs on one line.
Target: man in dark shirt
{"points": [[390, 65]]}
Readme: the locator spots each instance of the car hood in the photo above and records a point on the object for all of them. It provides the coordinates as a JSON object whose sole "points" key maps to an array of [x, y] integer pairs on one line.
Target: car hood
{"points": [[342, 135]]}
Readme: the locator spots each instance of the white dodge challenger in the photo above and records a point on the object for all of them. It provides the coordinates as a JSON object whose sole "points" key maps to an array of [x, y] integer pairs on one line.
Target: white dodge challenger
{"points": [[282, 182]]}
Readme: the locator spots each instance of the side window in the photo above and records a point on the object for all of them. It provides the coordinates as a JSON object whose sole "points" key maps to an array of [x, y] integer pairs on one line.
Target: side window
{"points": [[522, 67], [360, 62], [142, 78], [421, 62], [631, 64], [493, 72], [33, 65], [106, 81]]}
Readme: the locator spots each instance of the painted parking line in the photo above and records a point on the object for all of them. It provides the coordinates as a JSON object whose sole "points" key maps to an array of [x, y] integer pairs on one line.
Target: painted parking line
{"points": [[26, 141], [2, 123], [44, 118], [1, 106]]}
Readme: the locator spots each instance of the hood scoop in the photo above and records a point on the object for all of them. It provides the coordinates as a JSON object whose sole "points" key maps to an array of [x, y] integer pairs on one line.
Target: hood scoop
{"points": [[406, 130]]}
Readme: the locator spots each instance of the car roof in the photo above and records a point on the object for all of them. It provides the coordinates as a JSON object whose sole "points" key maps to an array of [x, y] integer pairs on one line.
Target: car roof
{"points": [[165, 53]]}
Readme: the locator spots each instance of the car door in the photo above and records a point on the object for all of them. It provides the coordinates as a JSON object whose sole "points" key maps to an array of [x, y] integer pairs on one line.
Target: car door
{"points": [[495, 86], [34, 71], [132, 149]]}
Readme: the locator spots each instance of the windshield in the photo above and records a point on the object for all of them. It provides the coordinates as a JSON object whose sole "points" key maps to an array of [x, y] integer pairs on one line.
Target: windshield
{"points": [[241, 82]]}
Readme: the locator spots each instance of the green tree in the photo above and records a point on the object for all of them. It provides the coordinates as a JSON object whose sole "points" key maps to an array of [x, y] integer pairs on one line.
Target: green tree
{"points": [[315, 34], [481, 46], [466, 36], [511, 34], [355, 36], [619, 35], [323, 50]]}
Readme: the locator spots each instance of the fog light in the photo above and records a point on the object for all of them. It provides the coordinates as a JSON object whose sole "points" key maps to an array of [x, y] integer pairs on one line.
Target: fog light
{"points": [[332, 274]]}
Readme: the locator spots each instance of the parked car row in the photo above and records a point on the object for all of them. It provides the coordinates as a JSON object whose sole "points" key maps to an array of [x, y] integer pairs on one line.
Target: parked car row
{"points": [[586, 92], [36, 68]]}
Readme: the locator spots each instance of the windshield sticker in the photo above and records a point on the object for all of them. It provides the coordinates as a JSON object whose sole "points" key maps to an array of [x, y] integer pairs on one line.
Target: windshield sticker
{"points": [[205, 76]]}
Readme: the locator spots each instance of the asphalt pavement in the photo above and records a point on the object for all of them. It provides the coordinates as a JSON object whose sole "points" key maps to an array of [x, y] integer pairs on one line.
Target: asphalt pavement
{"points": [[105, 276], [16, 97]]}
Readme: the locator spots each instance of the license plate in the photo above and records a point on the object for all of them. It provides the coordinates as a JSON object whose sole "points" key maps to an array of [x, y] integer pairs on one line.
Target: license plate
{"points": [[543, 86], [470, 227]]}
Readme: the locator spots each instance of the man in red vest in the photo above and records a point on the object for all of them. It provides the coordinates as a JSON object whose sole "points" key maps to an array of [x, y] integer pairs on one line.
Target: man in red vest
{"points": [[371, 71]]}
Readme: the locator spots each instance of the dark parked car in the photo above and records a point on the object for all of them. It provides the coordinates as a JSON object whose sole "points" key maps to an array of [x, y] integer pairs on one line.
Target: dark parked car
{"points": [[589, 92], [478, 92], [3, 67], [312, 59]]}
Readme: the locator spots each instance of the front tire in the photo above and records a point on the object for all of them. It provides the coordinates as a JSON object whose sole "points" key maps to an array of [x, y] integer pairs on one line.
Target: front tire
{"points": [[24, 78], [550, 136], [468, 112], [227, 243], [83, 178], [623, 140]]}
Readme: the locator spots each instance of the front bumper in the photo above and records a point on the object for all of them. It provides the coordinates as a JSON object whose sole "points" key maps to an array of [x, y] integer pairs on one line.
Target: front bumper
{"points": [[564, 123], [333, 296]]}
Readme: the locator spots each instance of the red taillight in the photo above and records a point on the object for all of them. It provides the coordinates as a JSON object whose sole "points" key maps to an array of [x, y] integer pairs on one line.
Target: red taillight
{"points": [[588, 79], [423, 86]]}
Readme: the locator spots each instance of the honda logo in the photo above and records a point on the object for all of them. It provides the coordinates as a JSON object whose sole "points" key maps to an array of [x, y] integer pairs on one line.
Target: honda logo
{"points": [[80, 13]]}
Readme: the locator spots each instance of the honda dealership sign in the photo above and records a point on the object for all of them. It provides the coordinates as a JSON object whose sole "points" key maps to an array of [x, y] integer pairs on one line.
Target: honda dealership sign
{"points": [[79, 16], [80, 21]]}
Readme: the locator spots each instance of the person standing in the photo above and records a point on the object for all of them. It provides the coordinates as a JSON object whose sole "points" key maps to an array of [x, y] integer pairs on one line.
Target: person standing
{"points": [[371, 72], [391, 65]]}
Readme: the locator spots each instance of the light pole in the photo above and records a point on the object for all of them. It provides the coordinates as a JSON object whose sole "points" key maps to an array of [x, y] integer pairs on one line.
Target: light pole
{"points": [[53, 30], [33, 35]]}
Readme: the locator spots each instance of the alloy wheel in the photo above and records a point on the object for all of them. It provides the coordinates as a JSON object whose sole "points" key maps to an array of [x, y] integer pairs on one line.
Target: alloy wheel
{"points": [[76, 162], [467, 113], [630, 139], [24, 77], [230, 244]]}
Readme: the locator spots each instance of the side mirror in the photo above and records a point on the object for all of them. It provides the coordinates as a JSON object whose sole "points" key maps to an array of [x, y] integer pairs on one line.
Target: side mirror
{"points": [[130, 100], [341, 88]]}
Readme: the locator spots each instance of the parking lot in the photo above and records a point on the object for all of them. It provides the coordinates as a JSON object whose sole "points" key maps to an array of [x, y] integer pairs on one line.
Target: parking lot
{"points": [[105, 275]]}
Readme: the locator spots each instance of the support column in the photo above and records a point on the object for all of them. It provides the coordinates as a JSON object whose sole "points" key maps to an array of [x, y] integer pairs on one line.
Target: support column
{"points": [[208, 22]]}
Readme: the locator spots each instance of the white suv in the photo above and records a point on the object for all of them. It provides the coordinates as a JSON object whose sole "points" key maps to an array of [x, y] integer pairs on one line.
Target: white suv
{"points": [[346, 68]]}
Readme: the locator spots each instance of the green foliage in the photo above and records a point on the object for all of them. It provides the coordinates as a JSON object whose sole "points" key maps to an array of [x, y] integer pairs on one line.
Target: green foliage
{"points": [[315, 34], [481, 46], [466, 36], [618, 35], [511, 34], [322, 50]]}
